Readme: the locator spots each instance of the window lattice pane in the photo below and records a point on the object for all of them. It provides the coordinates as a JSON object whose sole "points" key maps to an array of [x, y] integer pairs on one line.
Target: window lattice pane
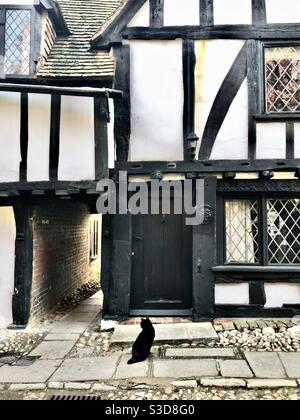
{"points": [[284, 231], [241, 231], [17, 42], [282, 79]]}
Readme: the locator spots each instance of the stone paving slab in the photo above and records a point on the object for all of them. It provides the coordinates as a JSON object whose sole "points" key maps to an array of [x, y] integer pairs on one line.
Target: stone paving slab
{"points": [[88, 369], [200, 352], [92, 302], [185, 368], [124, 371], [70, 327], [39, 372], [87, 309], [169, 333], [291, 363], [271, 383], [125, 334], [62, 337], [52, 350], [201, 331], [81, 317], [266, 365], [98, 295], [235, 369]]}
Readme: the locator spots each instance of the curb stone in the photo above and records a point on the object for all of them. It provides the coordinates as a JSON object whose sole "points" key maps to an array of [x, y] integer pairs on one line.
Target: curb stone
{"points": [[27, 387], [55, 385], [184, 384], [271, 383], [77, 386], [103, 388], [223, 383]]}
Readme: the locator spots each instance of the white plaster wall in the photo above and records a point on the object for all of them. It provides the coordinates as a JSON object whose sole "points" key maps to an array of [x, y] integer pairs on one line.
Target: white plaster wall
{"points": [[279, 12], [77, 140], [210, 75], [271, 141], [111, 136], [39, 116], [232, 140], [232, 294], [7, 264], [297, 140], [280, 294], [231, 12], [10, 154], [181, 12], [156, 101], [142, 18]]}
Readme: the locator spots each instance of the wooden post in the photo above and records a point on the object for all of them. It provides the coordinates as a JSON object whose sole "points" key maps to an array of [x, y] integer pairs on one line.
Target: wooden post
{"points": [[23, 263], [204, 256]]}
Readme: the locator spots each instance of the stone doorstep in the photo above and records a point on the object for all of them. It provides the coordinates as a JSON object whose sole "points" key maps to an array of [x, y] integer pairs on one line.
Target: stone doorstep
{"points": [[167, 333]]}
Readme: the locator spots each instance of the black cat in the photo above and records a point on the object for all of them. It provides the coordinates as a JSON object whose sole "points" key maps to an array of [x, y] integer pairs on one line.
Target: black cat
{"points": [[142, 346]]}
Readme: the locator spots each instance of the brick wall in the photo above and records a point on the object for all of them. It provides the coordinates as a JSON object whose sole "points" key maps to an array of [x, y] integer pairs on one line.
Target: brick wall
{"points": [[61, 253]]}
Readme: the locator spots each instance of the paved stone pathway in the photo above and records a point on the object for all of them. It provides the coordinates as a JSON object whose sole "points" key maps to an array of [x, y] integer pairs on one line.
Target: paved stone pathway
{"points": [[51, 366]]}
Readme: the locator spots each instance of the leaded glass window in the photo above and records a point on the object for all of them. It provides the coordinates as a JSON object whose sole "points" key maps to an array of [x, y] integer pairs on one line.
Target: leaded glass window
{"points": [[283, 231], [262, 231], [241, 231], [282, 71], [17, 41]]}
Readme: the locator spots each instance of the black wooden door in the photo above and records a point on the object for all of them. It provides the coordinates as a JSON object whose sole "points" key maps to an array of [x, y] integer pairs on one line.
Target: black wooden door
{"points": [[161, 265]]}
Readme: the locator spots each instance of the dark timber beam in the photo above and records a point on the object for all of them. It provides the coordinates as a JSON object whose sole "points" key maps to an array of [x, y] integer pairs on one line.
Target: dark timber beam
{"points": [[227, 92], [60, 90], [101, 115], [277, 117], [103, 40], [23, 263], [254, 76], [122, 106], [206, 12], [156, 13], [257, 294], [254, 311], [209, 166], [246, 187], [259, 15], [54, 137], [24, 136], [290, 140], [271, 32], [189, 62]]}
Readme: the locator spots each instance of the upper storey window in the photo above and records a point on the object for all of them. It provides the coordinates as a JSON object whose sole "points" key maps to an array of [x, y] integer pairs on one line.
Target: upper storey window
{"points": [[282, 72], [17, 41]]}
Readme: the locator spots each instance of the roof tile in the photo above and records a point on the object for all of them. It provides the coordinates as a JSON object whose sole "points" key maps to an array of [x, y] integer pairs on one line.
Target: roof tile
{"points": [[71, 56]]}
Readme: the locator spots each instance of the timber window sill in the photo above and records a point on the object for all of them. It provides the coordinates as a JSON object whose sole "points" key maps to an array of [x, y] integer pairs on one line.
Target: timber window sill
{"points": [[256, 269]]}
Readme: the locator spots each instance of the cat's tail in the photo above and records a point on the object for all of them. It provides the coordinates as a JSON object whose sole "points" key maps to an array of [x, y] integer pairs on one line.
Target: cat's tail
{"points": [[131, 362]]}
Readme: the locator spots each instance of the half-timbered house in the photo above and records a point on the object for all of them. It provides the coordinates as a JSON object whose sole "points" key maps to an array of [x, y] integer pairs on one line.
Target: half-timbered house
{"points": [[166, 90]]}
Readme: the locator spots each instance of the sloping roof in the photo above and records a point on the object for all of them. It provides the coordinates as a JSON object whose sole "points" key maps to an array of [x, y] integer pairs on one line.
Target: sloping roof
{"points": [[70, 56]]}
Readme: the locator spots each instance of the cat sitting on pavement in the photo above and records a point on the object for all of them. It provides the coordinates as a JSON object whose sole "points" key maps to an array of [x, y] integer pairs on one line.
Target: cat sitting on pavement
{"points": [[142, 346]]}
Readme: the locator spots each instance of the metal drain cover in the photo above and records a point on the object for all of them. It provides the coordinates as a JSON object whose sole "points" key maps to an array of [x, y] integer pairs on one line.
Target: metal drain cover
{"points": [[72, 397]]}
